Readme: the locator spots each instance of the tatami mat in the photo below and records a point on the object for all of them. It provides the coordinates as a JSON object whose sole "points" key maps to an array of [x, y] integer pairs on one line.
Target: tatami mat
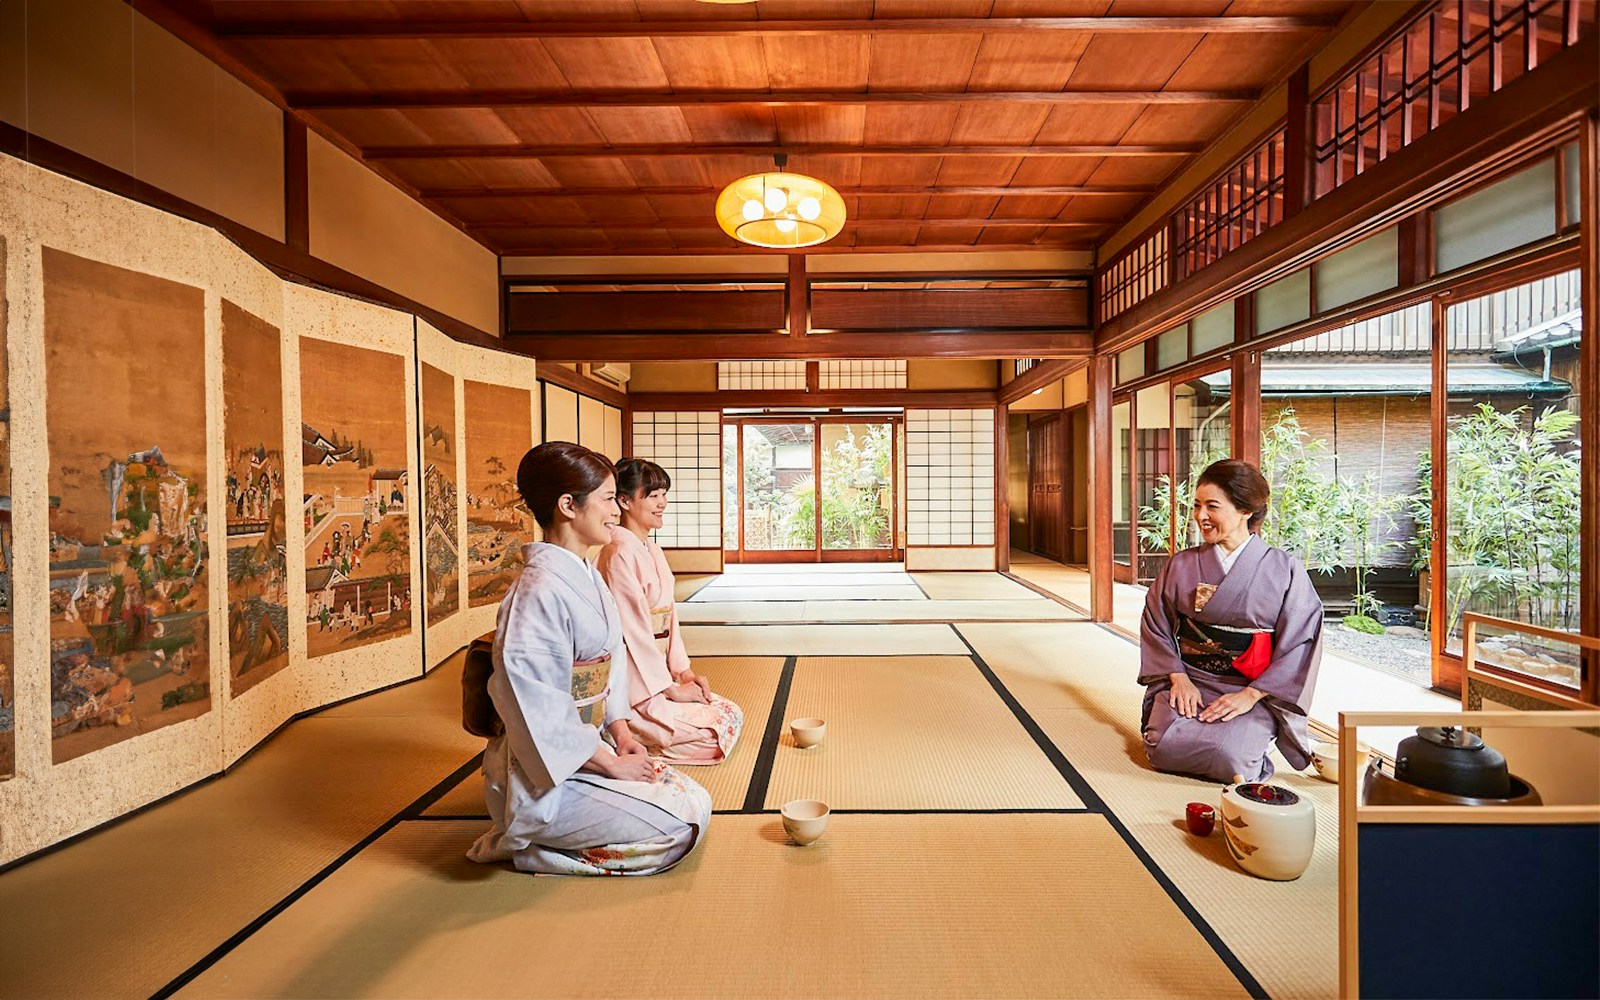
{"points": [[685, 587], [822, 640], [973, 587], [910, 732], [743, 612], [749, 681], [944, 906], [127, 909], [1077, 681], [813, 576], [745, 591]]}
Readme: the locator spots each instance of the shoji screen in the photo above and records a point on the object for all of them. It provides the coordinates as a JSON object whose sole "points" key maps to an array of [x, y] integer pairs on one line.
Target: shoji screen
{"points": [[950, 499]]}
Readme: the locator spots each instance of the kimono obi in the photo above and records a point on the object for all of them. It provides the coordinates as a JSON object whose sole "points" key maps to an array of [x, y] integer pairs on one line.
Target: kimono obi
{"points": [[661, 626], [1230, 651], [591, 683]]}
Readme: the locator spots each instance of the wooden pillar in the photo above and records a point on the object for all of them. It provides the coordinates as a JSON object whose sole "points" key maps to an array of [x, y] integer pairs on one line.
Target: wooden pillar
{"points": [[1589, 388], [1246, 423], [1297, 144], [1002, 495], [799, 296], [1446, 670], [296, 186], [1100, 486]]}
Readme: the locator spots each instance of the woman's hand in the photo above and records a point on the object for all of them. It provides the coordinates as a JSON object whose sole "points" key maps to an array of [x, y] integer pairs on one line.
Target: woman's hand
{"points": [[628, 746], [690, 677], [1183, 696], [622, 767], [1231, 706], [688, 691]]}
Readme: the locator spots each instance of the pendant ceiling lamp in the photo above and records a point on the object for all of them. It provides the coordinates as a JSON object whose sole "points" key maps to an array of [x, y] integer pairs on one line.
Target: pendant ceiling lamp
{"points": [[780, 210]]}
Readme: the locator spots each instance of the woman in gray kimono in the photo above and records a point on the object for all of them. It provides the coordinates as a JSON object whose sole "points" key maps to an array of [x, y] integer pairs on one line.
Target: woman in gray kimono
{"points": [[1230, 641], [569, 789]]}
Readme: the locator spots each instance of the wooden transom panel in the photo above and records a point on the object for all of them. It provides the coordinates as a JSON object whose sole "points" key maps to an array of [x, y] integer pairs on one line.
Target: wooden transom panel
{"points": [[605, 126]]}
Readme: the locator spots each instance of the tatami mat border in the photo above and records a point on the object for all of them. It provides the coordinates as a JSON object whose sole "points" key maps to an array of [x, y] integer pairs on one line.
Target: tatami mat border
{"points": [[1093, 800], [427, 798]]}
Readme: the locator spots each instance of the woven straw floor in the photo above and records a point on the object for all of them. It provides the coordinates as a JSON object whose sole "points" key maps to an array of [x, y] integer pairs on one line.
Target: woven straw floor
{"points": [[945, 906], [910, 732], [1088, 705], [823, 640]]}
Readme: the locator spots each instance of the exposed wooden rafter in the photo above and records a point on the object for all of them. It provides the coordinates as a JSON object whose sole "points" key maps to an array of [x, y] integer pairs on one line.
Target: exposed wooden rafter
{"points": [[679, 151], [366, 28], [384, 100], [988, 190], [774, 347], [711, 223]]}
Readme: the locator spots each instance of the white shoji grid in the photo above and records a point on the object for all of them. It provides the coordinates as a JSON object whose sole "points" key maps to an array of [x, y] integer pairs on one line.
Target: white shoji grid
{"points": [[689, 446], [863, 375], [761, 375], [950, 477]]}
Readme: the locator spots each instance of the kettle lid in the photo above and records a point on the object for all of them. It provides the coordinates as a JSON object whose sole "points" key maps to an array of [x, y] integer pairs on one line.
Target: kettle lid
{"points": [[1453, 737]]}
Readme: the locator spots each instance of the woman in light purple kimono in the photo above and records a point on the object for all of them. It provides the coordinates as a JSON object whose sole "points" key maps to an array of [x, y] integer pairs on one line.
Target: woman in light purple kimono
{"points": [[569, 789], [1230, 641]]}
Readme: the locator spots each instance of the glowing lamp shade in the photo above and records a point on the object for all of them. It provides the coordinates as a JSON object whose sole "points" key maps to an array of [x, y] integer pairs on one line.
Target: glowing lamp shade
{"points": [[780, 210]]}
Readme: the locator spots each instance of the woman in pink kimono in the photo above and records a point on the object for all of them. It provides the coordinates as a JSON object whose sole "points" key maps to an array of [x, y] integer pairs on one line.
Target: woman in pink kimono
{"points": [[675, 715], [569, 789], [1230, 641]]}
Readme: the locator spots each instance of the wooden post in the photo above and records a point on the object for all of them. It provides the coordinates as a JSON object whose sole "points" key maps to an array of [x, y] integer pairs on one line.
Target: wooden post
{"points": [[1589, 392], [799, 297], [1445, 673], [1100, 486], [1247, 406], [296, 185], [1297, 143], [1002, 495]]}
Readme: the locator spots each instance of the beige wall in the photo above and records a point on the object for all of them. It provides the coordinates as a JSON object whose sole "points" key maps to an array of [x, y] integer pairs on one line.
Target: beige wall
{"points": [[1047, 397], [933, 374], [367, 226], [102, 80]]}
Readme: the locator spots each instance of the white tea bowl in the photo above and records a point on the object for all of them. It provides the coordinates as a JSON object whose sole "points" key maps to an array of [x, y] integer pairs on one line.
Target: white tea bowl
{"points": [[808, 732], [805, 819]]}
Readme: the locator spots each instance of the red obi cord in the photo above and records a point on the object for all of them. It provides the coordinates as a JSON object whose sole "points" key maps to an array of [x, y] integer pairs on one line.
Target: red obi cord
{"points": [[1253, 662]]}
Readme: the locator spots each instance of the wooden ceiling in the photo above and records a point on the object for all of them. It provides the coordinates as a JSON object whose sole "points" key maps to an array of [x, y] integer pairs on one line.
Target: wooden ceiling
{"points": [[609, 126]]}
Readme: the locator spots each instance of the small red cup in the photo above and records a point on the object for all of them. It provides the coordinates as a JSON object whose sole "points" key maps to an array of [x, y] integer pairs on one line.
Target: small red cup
{"points": [[1200, 818]]}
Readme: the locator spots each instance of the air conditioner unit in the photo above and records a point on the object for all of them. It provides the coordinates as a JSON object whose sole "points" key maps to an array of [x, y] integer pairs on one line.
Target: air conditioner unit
{"points": [[616, 373]]}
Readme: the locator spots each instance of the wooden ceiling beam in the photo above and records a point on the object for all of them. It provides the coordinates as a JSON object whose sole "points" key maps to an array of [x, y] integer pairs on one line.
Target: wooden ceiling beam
{"points": [[690, 151], [390, 100], [711, 223], [822, 248], [360, 29], [777, 347], [1072, 190]]}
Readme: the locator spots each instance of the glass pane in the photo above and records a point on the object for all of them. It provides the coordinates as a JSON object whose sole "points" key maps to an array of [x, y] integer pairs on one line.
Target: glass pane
{"points": [[1512, 497], [1121, 495], [1130, 364], [779, 488], [730, 487], [1202, 433], [1172, 348], [1153, 479], [1501, 217], [1369, 267], [1213, 328], [857, 496], [1285, 302], [1345, 437], [1571, 161]]}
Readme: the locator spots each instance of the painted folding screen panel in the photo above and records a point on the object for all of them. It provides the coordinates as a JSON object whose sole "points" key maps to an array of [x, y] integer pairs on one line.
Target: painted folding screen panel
{"points": [[8, 705], [499, 433], [689, 446], [441, 562], [353, 452], [254, 503], [129, 593], [950, 477]]}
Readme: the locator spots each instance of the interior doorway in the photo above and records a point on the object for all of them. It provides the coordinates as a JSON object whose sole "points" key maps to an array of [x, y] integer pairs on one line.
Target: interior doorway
{"points": [[811, 489]]}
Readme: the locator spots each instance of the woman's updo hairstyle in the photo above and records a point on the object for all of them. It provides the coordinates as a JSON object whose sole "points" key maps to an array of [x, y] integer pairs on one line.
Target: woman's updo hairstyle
{"points": [[1243, 484], [638, 477], [556, 468]]}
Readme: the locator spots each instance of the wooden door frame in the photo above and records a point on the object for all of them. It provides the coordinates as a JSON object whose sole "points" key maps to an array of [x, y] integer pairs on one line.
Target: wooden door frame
{"points": [[818, 554], [1068, 414], [1040, 418]]}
